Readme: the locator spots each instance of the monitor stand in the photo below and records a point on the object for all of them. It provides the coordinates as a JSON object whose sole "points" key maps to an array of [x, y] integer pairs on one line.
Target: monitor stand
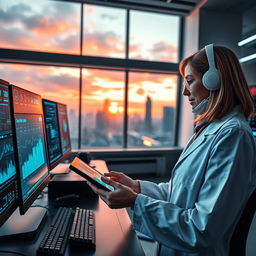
{"points": [[22, 226]]}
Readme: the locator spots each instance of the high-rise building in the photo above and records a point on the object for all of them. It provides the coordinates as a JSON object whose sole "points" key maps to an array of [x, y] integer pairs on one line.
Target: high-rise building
{"points": [[100, 120], [148, 116], [168, 118]]}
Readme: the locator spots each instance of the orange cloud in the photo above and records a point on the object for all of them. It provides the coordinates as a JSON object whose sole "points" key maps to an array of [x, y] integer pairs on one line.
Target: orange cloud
{"points": [[106, 45], [89, 9]]}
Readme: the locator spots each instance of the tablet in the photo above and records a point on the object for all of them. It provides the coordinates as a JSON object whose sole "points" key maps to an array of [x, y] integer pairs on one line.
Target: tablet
{"points": [[89, 173]]}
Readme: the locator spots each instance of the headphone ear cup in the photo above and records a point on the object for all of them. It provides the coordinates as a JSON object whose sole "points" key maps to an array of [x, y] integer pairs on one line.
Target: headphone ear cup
{"points": [[211, 79]]}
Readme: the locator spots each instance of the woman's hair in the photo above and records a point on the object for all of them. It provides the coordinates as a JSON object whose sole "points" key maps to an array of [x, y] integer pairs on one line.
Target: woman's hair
{"points": [[233, 90]]}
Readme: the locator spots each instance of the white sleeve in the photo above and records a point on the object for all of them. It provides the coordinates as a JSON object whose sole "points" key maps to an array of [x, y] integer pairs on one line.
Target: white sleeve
{"points": [[157, 191]]}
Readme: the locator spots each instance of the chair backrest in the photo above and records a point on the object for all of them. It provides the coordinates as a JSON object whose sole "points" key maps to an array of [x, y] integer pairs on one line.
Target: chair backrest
{"points": [[239, 237]]}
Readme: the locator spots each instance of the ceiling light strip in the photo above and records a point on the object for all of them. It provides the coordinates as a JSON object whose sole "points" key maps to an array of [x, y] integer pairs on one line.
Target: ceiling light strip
{"points": [[247, 58], [247, 40]]}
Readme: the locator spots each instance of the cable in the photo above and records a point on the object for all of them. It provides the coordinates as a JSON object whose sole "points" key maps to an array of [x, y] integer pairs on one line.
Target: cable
{"points": [[42, 206], [38, 205], [18, 253]]}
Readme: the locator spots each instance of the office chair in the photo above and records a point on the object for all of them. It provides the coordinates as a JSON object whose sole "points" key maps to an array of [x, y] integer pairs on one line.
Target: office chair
{"points": [[239, 237]]}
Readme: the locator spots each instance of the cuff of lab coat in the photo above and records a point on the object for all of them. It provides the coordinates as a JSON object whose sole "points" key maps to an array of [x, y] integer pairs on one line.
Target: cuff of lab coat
{"points": [[137, 214], [145, 187]]}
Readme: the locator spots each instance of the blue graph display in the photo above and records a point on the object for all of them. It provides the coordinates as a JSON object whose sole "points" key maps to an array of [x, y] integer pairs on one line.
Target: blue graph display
{"points": [[35, 159], [8, 182], [52, 130], [31, 150], [7, 166], [29, 132]]}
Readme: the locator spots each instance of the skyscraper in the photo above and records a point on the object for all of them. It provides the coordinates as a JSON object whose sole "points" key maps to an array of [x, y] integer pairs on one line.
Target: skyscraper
{"points": [[148, 116], [168, 118]]}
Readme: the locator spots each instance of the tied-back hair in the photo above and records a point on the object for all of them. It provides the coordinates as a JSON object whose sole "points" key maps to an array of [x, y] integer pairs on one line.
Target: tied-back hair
{"points": [[233, 90]]}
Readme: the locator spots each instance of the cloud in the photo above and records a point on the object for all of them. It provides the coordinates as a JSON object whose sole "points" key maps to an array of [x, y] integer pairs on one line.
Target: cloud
{"points": [[54, 27], [103, 44], [89, 9], [13, 13], [108, 17], [163, 51]]}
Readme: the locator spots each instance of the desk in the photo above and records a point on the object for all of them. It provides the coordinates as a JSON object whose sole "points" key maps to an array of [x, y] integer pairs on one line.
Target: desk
{"points": [[114, 233]]}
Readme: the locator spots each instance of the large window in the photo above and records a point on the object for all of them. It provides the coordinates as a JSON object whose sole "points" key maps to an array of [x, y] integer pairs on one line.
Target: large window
{"points": [[104, 31], [154, 36], [116, 68], [102, 108], [151, 109], [40, 25], [52, 83]]}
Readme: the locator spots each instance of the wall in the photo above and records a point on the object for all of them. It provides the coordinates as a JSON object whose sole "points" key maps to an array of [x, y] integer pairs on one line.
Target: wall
{"points": [[220, 27], [191, 30]]}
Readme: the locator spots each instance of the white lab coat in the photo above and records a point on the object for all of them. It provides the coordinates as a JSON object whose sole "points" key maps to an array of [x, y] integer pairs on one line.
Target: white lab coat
{"points": [[195, 213]]}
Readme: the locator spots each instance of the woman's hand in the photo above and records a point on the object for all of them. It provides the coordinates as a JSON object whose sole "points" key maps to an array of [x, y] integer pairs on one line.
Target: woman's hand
{"points": [[124, 179], [122, 196]]}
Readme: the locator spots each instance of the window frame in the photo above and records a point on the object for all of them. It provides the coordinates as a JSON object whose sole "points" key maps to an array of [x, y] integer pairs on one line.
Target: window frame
{"points": [[15, 56]]}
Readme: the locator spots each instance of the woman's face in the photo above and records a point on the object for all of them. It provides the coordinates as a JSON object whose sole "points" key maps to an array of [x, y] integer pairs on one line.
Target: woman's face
{"points": [[194, 88]]}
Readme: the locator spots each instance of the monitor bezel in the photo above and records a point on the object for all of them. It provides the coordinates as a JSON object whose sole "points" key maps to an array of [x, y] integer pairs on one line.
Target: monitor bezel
{"points": [[68, 153], [24, 205], [12, 207]]}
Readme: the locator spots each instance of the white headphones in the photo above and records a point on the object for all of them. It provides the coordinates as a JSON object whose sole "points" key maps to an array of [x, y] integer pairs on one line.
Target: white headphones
{"points": [[211, 78]]}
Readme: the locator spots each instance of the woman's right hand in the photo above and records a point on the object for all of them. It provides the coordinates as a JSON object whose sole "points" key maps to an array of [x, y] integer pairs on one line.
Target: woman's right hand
{"points": [[124, 179]]}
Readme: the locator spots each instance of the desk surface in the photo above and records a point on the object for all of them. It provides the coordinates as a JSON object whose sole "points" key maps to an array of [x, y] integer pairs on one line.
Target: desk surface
{"points": [[114, 233]]}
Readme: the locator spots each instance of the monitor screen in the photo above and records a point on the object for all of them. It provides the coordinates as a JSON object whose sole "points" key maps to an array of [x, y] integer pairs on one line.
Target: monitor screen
{"points": [[8, 182], [252, 120], [52, 132], [32, 174], [64, 128], [57, 131]]}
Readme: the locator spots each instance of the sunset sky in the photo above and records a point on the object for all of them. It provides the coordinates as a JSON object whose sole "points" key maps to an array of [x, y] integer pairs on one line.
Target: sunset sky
{"points": [[54, 26], [62, 85]]}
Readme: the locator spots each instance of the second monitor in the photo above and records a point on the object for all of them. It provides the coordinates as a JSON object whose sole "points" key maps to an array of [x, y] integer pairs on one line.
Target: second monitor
{"points": [[57, 134]]}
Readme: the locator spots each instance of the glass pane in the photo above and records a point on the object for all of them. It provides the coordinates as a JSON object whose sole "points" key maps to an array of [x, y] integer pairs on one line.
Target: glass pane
{"points": [[145, 45], [104, 31], [151, 109], [40, 25], [53, 83], [102, 108]]}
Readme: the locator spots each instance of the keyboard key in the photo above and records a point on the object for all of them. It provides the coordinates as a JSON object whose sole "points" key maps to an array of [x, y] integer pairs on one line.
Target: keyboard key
{"points": [[56, 238], [83, 229]]}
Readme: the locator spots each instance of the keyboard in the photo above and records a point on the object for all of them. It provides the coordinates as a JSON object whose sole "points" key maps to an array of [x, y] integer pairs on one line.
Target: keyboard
{"points": [[83, 229], [56, 238]]}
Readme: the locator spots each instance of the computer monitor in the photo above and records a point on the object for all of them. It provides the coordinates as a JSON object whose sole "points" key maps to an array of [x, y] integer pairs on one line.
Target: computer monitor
{"points": [[57, 132], [64, 128], [52, 132], [252, 120], [8, 181], [30, 144]]}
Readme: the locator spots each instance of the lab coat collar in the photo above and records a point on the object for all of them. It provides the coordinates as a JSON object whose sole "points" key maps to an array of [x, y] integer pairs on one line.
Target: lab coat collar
{"points": [[212, 128], [215, 126]]}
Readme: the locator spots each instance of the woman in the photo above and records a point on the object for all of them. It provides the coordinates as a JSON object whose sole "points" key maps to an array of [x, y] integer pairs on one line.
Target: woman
{"points": [[195, 213]]}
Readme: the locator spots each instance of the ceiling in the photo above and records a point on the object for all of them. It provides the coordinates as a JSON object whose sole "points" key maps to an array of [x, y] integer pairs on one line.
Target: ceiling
{"points": [[180, 7], [229, 5]]}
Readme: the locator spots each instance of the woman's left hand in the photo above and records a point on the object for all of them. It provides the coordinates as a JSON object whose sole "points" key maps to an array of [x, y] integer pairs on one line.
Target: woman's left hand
{"points": [[121, 197]]}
